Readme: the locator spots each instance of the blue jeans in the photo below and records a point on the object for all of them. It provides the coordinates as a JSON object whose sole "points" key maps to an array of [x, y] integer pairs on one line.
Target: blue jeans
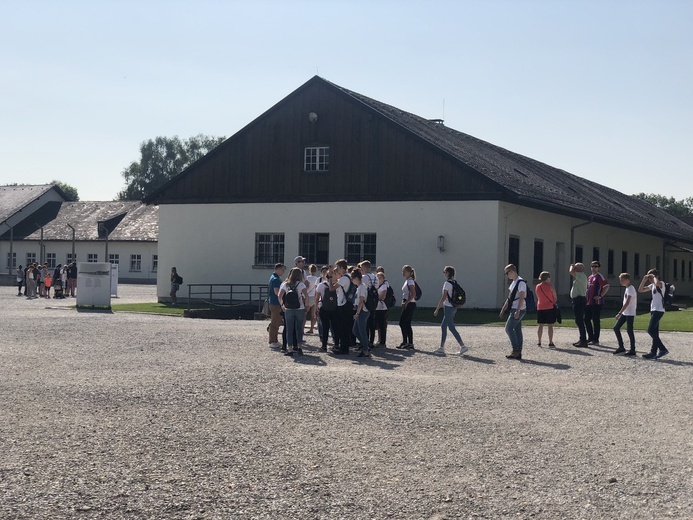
{"points": [[513, 328], [449, 323], [293, 321], [360, 329]]}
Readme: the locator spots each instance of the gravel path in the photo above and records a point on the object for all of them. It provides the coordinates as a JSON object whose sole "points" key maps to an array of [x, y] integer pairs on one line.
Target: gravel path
{"points": [[130, 416]]}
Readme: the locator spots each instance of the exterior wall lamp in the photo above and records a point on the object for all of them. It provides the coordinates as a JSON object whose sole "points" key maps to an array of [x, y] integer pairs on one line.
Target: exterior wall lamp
{"points": [[441, 243]]}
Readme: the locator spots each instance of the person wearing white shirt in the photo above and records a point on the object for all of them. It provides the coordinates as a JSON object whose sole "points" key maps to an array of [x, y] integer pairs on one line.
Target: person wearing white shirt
{"points": [[516, 304], [311, 282], [626, 315], [362, 314], [652, 283], [369, 280], [381, 310]]}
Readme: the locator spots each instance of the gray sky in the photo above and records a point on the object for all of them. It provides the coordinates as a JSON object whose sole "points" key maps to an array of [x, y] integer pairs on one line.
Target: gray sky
{"points": [[601, 89]]}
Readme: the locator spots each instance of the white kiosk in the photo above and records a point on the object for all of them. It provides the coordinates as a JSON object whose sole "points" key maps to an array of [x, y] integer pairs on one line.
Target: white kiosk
{"points": [[94, 284]]}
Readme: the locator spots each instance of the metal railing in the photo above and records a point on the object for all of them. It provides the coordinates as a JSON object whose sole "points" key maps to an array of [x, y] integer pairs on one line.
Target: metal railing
{"points": [[227, 295]]}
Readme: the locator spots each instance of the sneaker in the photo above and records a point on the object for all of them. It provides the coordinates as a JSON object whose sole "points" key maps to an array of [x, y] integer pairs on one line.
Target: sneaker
{"points": [[463, 349], [402, 345], [594, 342], [619, 350], [662, 352], [283, 349], [275, 345], [538, 344], [298, 351], [363, 354], [439, 350], [410, 346], [630, 353], [551, 345], [324, 349], [289, 353], [582, 344], [514, 355], [650, 355]]}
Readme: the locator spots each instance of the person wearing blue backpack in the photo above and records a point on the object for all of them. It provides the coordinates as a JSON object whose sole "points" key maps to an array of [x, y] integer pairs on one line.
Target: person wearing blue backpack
{"points": [[516, 304]]}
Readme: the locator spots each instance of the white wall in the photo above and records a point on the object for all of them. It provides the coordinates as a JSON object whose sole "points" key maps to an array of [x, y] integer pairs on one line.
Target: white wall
{"points": [[215, 243]]}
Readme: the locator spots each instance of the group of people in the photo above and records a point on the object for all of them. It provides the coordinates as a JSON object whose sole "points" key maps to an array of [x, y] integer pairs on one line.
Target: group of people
{"points": [[351, 303], [37, 280], [587, 295]]}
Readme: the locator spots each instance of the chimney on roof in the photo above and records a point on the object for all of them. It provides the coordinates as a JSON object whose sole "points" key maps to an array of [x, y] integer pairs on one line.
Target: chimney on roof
{"points": [[437, 121]]}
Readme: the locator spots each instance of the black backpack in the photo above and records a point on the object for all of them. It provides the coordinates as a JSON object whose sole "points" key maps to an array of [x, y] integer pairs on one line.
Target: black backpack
{"points": [[350, 294], [389, 299], [179, 280], [291, 298], [458, 297], [329, 299], [668, 296], [372, 298], [418, 291]]}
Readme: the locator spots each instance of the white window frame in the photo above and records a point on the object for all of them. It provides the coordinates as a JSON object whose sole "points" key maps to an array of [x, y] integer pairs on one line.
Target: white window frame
{"points": [[135, 263], [92, 258], [114, 259], [155, 263], [13, 259], [30, 258], [51, 260], [316, 159], [366, 249]]}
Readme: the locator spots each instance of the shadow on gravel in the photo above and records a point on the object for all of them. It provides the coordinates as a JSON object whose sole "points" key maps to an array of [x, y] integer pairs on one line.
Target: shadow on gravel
{"points": [[573, 351], [557, 366], [384, 365], [96, 311], [674, 362], [483, 361], [308, 359]]}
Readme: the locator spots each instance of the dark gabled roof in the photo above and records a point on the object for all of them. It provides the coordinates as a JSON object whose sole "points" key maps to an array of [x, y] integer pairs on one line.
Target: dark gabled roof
{"points": [[14, 198], [520, 179], [126, 220], [534, 183]]}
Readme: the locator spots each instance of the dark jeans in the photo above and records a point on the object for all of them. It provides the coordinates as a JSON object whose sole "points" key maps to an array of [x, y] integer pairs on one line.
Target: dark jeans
{"points": [[579, 304], [381, 324], [593, 316], [405, 323], [329, 322], [629, 329], [345, 320], [653, 330], [370, 326]]}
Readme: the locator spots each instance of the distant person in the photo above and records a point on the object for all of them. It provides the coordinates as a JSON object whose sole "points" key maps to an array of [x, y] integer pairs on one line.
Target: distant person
{"points": [[72, 279], [626, 315], [546, 307], [20, 280], [449, 313], [361, 315], [597, 287], [652, 283], [311, 281], [293, 295], [517, 307], [381, 309], [176, 280], [578, 297]]}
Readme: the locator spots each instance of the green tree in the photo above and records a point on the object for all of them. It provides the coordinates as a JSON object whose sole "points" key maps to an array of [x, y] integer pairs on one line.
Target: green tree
{"points": [[677, 208], [69, 191], [161, 159]]}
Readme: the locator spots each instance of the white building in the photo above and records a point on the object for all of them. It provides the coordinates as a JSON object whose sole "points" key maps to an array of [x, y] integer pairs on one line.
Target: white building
{"points": [[40, 226], [328, 173]]}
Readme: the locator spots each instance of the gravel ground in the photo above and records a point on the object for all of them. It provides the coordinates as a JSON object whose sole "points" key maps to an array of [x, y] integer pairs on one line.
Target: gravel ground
{"points": [[130, 416]]}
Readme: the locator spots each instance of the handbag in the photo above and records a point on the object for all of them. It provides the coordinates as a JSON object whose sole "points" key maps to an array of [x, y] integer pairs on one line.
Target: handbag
{"points": [[557, 313], [265, 308]]}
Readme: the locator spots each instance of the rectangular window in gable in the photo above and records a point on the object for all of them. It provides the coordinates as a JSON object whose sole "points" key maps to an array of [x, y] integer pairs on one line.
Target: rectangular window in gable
{"points": [[359, 247], [316, 159], [269, 249]]}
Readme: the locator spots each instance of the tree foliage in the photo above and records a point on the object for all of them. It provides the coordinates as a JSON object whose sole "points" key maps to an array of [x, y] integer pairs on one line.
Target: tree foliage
{"points": [[161, 159], [677, 208], [69, 191]]}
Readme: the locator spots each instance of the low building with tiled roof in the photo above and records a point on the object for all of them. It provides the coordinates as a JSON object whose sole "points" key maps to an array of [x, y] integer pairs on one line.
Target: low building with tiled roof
{"points": [[329, 173], [121, 232]]}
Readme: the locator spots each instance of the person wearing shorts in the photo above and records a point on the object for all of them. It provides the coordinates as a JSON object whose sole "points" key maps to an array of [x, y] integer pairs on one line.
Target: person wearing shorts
{"points": [[546, 307]]}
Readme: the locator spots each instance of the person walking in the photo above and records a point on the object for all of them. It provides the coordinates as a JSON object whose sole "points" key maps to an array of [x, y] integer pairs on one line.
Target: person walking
{"points": [[626, 315], [449, 311], [546, 307], [652, 283], [516, 304]]}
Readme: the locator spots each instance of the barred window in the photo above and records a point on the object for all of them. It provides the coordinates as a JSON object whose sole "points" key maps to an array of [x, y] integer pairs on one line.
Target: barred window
{"points": [[358, 247], [269, 249], [92, 257], [317, 159], [155, 263], [12, 259], [315, 247], [30, 258], [114, 259], [51, 260]]}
